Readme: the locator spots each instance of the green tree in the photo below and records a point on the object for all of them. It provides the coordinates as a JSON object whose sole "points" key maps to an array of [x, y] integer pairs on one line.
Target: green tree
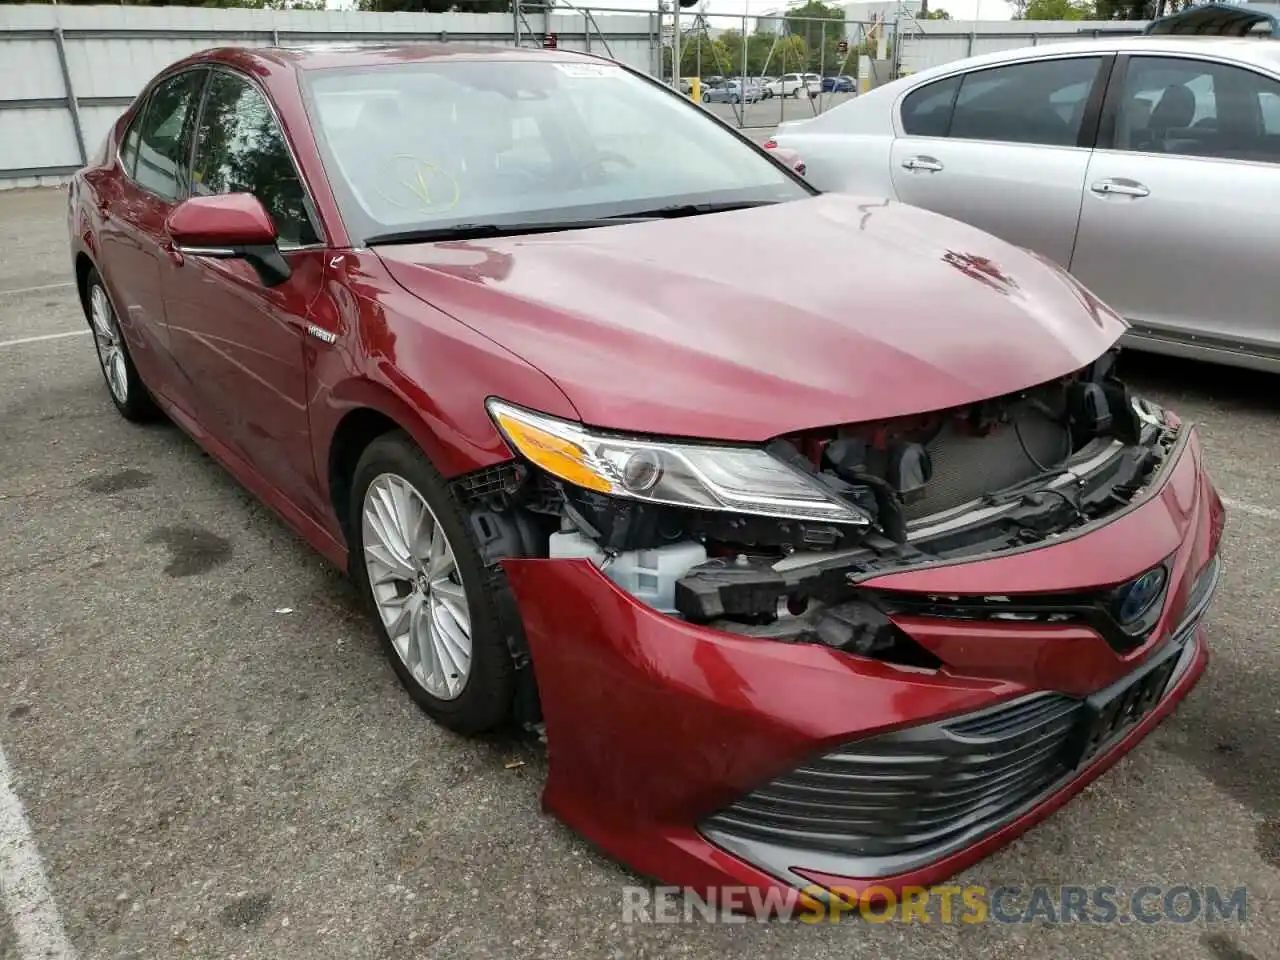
{"points": [[803, 21], [789, 55], [1137, 9], [731, 46], [1057, 10], [938, 14]]}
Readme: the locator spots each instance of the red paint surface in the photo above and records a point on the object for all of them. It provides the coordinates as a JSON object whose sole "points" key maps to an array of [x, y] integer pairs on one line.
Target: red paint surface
{"points": [[662, 327], [231, 219]]}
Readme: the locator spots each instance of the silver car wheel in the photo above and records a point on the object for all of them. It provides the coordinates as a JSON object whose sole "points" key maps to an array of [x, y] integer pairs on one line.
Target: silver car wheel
{"points": [[417, 587], [106, 335]]}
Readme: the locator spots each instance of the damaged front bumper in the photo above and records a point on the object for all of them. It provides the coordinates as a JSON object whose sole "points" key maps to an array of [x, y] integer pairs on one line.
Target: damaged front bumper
{"points": [[709, 758]]}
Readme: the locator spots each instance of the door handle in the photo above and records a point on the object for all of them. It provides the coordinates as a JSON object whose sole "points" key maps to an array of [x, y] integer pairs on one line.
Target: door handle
{"points": [[1119, 187], [922, 163]]}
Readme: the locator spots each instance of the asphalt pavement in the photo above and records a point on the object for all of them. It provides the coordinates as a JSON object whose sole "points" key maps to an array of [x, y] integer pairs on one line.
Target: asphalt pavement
{"points": [[213, 759], [759, 120]]}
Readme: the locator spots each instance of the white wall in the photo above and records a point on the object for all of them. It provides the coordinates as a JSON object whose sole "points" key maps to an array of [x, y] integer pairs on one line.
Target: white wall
{"points": [[112, 51], [931, 43]]}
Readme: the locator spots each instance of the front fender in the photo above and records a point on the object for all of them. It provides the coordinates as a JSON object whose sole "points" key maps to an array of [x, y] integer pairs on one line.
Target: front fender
{"points": [[416, 366]]}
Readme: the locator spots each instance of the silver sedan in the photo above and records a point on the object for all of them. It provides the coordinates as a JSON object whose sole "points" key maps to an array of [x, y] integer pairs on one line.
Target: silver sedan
{"points": [[1147, 166], [733, 91]]}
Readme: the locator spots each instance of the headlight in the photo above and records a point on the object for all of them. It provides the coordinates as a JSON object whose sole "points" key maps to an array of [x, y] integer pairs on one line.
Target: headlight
{"points": [[739, 479]]}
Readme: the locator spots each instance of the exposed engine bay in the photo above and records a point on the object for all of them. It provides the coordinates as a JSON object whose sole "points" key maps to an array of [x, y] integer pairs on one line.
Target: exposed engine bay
{"points": [[993, 476]]}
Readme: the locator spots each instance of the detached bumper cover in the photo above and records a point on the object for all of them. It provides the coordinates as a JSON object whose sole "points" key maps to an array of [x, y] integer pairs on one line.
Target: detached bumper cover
{"points": [[900, 801], [707, 759]]}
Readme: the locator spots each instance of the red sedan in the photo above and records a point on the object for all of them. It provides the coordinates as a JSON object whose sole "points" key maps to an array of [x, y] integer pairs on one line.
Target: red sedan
{"points": [[824, 575]]}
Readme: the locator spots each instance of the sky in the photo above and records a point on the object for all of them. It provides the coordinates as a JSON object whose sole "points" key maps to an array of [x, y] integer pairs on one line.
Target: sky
{"points": [[959, 9]]}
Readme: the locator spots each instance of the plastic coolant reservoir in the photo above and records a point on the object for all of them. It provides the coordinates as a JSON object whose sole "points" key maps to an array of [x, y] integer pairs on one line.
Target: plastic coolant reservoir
{"points": [[648, 575]]}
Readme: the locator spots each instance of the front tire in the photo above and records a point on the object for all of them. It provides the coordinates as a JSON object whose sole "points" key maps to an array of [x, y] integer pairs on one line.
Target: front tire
{"points": [[432, 597], [125, 386]]}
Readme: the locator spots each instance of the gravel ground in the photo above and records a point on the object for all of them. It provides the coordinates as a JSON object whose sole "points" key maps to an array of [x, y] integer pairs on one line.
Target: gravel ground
{"points": [[208, 776]]}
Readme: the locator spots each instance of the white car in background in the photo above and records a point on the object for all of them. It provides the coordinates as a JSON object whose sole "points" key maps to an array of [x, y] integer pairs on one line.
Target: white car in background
{"points": [[793, 85], [1147, 166]]}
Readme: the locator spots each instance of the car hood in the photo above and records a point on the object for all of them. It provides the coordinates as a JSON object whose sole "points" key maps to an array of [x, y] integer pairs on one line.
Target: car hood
{"points": [[753, 323]]}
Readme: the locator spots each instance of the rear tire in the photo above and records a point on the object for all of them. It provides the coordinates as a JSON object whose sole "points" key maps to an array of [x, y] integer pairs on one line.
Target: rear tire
{"points": [[124, 385], [432, 597]]}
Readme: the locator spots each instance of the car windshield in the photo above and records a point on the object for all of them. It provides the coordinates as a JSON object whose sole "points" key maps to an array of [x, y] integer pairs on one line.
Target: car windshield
{"points": [[426, 145]]}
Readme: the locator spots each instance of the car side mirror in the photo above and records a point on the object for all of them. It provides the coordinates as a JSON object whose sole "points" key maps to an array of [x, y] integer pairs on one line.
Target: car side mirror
{"points": [[229, 226], [790, 158]]}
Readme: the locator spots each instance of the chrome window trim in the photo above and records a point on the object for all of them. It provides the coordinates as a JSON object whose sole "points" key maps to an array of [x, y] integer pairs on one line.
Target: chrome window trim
{"points": [[206, 251]]}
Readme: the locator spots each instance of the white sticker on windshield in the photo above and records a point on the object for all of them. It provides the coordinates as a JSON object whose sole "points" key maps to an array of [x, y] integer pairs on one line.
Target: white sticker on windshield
{"points": [[589, 69]]}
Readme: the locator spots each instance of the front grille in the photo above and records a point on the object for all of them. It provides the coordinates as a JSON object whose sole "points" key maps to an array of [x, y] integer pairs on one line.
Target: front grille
{"points": [[890, 803], [914, 788]]}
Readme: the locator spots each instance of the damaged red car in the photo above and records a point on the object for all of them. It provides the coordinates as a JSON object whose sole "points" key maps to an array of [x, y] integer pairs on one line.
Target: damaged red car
{"points": [[828, 570]]}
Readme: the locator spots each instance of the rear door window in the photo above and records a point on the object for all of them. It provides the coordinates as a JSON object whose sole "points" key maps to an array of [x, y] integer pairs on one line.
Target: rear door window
{"points": [[164, 141], [1198, 108], [926, 111], [1038, 102], [129, 149]]}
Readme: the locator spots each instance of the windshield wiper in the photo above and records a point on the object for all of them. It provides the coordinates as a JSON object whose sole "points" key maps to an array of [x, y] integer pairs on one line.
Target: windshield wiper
{"points": [[695, 209], [479, 231]]}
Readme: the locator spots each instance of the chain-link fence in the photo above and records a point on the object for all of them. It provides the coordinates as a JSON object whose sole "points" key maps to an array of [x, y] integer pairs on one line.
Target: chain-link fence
{"points": [[761, 71], [754, 70]]}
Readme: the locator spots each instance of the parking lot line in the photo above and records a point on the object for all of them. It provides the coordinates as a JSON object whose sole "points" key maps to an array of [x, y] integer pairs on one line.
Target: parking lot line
{"points": [[1269, 512], [47, 336], [43, 286], [23, 885]]}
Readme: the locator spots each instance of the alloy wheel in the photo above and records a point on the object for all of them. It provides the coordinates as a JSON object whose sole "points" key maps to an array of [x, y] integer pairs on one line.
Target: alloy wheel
{"points": [[417, 587], [106, 335]]}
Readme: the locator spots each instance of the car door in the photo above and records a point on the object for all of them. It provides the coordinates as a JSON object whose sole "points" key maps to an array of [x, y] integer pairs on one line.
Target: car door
{"points": [[133, 207], [240, 343], [1004, 148], [1177, 227]]}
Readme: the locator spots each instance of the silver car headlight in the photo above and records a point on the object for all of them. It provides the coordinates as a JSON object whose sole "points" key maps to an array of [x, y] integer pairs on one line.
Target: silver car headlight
{"points": [[705, 477]]}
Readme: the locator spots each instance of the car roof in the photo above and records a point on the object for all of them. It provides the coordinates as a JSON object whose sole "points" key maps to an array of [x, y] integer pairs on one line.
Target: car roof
{"points": [[1259, 51], [330, 56]]}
